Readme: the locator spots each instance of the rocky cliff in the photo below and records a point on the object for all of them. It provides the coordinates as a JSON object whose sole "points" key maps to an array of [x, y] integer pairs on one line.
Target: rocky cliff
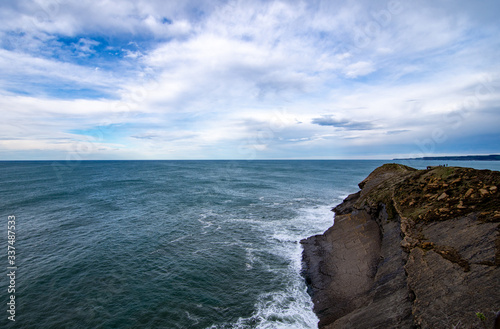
{"points": [[411, 249]]}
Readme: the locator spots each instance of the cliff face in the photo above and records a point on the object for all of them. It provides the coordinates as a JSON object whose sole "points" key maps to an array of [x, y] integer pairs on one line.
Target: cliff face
{"points": [[412, 249]]}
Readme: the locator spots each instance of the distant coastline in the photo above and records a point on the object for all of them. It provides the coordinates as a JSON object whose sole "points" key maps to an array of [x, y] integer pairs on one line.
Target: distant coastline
{"points": [[491, 157]]}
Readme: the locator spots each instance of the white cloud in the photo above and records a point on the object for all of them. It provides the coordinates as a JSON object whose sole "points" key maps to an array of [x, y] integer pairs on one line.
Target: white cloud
{"points": [[358, 69], [24, 69], [205, 77], [86, 46]]}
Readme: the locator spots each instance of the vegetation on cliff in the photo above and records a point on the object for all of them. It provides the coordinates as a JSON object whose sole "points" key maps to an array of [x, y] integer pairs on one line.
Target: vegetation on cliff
{"points": [[447, 192]]}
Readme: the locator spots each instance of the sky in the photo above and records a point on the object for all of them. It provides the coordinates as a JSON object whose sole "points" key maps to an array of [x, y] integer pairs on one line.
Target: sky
{"points": [[290, 79]]}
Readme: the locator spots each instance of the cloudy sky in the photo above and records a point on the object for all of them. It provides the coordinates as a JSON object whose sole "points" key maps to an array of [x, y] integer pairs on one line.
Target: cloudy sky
{"points": [[254, 79]]}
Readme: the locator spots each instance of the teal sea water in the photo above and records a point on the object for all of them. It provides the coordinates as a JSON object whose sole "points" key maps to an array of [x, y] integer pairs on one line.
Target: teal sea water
{"points": [[168, 244]]}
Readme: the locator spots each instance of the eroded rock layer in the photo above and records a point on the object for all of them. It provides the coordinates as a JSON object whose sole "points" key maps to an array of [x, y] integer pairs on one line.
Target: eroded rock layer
{"points": [[411, 249]]}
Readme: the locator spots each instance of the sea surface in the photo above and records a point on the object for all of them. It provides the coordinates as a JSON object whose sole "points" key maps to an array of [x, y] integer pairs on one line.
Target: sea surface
{"points": [[168, 244]]}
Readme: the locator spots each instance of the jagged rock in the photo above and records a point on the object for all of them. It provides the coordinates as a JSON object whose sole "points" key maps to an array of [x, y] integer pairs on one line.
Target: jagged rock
{"points": [[396, 258]]}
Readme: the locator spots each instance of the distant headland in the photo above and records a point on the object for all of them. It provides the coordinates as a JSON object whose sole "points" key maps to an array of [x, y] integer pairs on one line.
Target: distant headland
{"points": [[491, 157]]}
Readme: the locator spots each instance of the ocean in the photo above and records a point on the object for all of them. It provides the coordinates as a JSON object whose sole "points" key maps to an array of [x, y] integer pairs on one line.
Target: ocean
{"points": [[167, 244]]}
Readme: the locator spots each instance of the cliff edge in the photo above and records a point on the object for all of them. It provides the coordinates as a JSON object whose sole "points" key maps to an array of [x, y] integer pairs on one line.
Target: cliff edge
{"points": [[411, 249]]}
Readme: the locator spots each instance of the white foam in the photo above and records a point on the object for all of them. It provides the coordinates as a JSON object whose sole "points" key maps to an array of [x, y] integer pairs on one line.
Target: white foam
{"points": [[204, 222], [250, 258], [281, 309], [292, 307], [179, 239], [193, 318]]}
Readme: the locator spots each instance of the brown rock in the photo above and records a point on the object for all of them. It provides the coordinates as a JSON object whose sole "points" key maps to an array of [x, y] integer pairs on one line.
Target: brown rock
{"points": [[483, 192], [427, 245], [386, 264], [449, 279], [348, 251], [442, 196]]}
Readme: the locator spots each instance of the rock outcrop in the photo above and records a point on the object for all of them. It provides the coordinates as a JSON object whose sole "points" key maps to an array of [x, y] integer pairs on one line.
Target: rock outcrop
{"points": [[411, 249]]}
